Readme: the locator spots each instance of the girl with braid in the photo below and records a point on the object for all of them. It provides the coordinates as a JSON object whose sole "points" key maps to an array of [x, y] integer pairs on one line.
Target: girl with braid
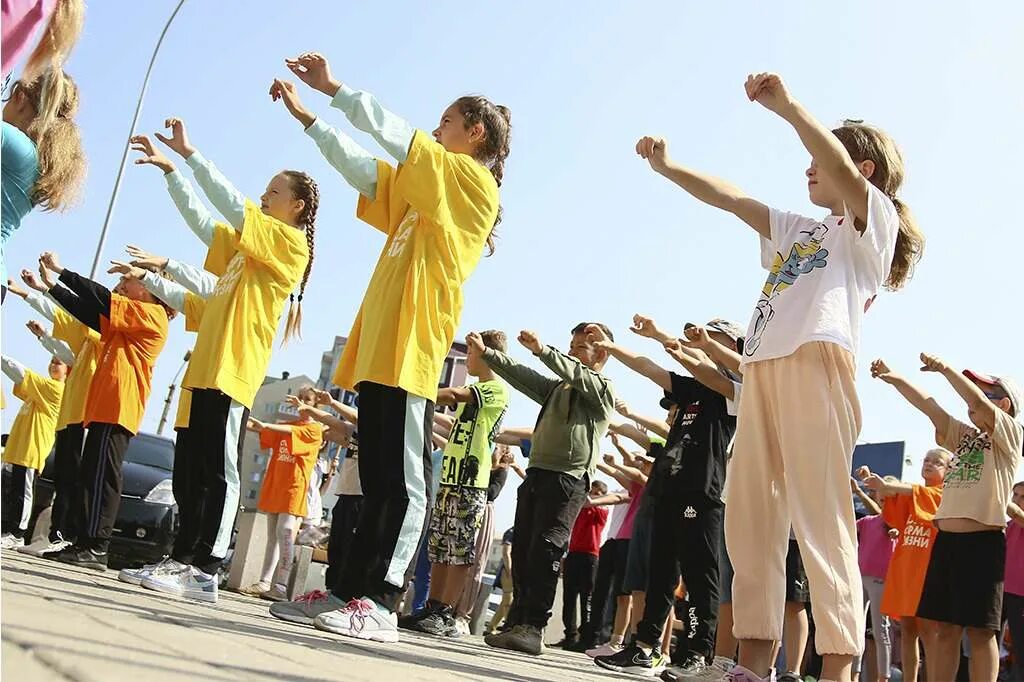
{"points": [[437, 209], [261, 254]]}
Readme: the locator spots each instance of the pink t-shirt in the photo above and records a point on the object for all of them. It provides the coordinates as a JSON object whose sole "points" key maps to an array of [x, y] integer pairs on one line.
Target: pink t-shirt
{"points": [[20, 20], [636, 493], [1014, 581], [875, 547]]}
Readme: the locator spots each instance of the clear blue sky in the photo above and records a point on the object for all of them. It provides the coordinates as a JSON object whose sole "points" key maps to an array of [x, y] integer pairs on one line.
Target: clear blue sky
{"points": [[590, 232]]}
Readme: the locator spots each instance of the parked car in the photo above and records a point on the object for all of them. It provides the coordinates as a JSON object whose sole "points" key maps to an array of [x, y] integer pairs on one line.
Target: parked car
{"points": [[148, 518]]}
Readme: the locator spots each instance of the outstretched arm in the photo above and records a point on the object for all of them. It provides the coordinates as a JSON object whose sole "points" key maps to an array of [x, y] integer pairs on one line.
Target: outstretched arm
{"points": [[914, 395], [14, 370], [356, 165], [529, 382], [55, 347], [865, 499], [981, 410], [699, 365], [191, 208], [698, 337], [362, 109], [829, 154], [711, 190], [199, 282], [632, 431]]}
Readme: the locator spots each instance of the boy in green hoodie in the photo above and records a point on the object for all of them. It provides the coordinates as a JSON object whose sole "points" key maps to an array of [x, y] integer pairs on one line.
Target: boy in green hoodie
{"points": [[575, 411]]}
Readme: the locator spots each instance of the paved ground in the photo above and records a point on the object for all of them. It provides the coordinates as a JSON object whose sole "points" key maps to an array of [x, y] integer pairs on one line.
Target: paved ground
{"points": [[63, 623]]}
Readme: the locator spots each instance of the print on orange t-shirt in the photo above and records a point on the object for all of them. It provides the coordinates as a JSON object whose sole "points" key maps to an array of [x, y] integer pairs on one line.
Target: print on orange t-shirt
{"points": [[912, 516], [131, 338], [292, 458]]}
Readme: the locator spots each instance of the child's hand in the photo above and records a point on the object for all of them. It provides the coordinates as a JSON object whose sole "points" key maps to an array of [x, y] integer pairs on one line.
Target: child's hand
{"points": [[293, 400], [49, 261], [622, 408], [36, 328], [126, 270], [285, 91], [150, 154], [13, 287], [609, 460], [880, 370], [313, 70], [146, 260], [47, 279], [530, 341], [655, 150], [697, 337], [874, 482], [862, 472], [768, 90], [645, 326], [178, 141], [321, 397], [475, 342], [31, 281], [254, 424], [933, 363], [597, 337], [854, 486], [675, 349]]}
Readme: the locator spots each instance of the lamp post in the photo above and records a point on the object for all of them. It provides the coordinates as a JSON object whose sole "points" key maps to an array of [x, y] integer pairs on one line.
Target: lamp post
{"points": [[127, 146], [170, 394]]}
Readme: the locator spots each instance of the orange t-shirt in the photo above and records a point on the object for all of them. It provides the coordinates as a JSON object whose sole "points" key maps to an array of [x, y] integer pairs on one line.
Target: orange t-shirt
{"points": [[291, 462], [912, 516], [131, 338]]}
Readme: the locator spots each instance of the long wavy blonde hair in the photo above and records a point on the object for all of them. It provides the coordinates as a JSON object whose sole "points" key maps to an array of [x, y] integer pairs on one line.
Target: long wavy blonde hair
{"points": [[62, 163]]}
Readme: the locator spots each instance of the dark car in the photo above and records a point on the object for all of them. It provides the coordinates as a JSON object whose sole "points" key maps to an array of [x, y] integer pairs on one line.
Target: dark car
{"points": [[148, 518]]}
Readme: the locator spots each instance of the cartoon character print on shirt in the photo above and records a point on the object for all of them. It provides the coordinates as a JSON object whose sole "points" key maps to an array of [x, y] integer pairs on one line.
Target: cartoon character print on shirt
{"points": [[402, 234], [805, 256], [969, 462]]}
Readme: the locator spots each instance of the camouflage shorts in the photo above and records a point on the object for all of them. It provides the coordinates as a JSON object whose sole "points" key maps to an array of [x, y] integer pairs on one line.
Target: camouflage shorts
{"points": [[454, 524]]}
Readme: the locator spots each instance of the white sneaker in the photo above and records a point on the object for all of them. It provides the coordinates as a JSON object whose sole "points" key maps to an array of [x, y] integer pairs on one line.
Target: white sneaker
{"points": [[462, 625], [135, 576], [190, 583], [8, 541], [362, 619], [43, 546], [606, 649]]}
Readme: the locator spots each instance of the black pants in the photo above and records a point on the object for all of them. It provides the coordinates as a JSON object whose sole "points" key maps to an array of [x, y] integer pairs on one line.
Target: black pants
{"points": [[67, 461], [206, 474], [100, 484], [685, 540], [602, 604], [546, 510], [578, 573], [395, 471], [344, 520], [17, 502]]}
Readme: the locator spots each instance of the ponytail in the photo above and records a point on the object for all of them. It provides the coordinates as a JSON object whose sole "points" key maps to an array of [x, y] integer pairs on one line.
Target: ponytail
{"points": [[58, 39], [304, 188], [868, 143]]}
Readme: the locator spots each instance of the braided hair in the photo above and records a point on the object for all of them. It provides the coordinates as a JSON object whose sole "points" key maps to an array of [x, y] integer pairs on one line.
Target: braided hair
{"points": [[494, 147], [304, 188]]}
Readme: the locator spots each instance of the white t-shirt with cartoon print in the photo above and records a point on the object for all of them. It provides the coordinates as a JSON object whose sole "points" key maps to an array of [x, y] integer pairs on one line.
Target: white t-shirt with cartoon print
{"points": [[822, 276]]}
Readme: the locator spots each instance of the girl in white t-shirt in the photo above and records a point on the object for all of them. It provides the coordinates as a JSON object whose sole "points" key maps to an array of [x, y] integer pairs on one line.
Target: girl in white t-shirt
{"points": [[799, 416]]}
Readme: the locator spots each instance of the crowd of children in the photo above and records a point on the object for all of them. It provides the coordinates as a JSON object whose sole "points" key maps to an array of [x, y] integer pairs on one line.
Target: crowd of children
{"points": [[763, 422]]}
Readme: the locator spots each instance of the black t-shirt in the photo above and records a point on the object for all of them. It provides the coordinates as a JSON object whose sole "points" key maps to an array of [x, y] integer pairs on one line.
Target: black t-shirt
{"points": [[496, 483], [693, 461]]}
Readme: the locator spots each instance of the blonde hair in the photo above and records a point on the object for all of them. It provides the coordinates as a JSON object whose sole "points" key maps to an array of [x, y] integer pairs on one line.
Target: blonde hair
{"points": [[58, 39], [62, 164], [868, 143], [305, 189], [946, 455]]}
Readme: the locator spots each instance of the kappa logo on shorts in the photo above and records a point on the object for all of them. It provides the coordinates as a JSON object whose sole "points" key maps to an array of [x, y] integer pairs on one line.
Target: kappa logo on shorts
{"points": [[690, 513]]}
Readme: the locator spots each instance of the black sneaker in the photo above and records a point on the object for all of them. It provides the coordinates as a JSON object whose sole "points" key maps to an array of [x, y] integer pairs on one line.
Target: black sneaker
{"points": [[631, 660], [86, 558], [411, 621], [582, 645], [566, 643], [440, 623], [789, 677]]}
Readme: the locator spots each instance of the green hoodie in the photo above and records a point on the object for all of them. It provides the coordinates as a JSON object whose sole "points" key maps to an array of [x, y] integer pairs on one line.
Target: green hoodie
{"points": [[575, 409]]}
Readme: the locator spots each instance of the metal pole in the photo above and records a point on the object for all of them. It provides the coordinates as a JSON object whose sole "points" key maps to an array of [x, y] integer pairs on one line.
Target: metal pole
{"points": [[127, 146], [170, 394]]}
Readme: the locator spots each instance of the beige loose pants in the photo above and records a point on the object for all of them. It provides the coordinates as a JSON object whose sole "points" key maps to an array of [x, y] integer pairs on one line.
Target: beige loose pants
{"points": [[798, 423]]}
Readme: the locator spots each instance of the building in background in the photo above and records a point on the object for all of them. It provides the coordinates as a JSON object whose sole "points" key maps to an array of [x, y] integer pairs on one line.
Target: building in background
{"points": [[268, 406]]}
